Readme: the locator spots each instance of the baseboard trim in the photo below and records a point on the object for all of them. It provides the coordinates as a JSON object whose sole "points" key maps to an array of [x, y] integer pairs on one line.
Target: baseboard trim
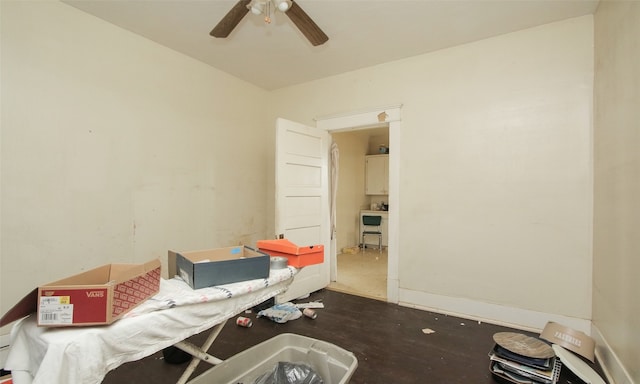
{"points": [[518, 318], [613, 368]]}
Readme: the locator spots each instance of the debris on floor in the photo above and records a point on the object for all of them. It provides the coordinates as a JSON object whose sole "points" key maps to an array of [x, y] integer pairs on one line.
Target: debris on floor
{"points": [[350, 250], [313, 304], [310, 313], [281, 313], [244, 322], [428, 331]]}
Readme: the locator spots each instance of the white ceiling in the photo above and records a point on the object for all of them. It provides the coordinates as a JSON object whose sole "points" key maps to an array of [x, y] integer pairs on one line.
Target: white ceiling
{"points": [[361, 33]]}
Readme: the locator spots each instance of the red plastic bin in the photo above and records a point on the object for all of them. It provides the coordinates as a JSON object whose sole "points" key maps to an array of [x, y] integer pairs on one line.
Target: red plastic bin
{"points": [[296, 256]]}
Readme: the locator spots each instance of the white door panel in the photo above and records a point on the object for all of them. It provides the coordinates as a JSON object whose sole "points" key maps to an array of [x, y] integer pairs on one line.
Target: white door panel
{"points": [[302, 198]]}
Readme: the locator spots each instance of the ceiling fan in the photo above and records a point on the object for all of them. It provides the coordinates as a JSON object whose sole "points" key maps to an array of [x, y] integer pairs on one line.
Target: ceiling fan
{"points": [[299, 17]]}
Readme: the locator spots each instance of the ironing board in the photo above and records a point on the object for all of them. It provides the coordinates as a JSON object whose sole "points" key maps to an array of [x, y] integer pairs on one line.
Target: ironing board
{"points": [[85, 354]]}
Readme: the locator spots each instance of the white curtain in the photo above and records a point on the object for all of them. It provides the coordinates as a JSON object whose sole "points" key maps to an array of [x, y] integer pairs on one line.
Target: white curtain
{"points": [[334, 186]]}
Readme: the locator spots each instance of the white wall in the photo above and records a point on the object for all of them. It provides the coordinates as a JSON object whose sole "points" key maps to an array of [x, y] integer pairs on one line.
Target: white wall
{"points": [[616, 307], [115, 149], [495, 177]]}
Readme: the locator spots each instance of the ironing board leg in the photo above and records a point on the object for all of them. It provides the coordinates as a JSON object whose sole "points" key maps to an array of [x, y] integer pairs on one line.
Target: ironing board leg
{"points": [[199, 354]]}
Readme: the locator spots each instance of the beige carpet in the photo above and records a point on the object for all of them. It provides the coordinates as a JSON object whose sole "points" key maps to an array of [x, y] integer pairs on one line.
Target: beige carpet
{"points": [[362, 274]]}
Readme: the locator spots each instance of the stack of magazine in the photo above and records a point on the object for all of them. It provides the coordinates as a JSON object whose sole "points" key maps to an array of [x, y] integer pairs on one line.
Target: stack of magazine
{"points": [[518, 358]]}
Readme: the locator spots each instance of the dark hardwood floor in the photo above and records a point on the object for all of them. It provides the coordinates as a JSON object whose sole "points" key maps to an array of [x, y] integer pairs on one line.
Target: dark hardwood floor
{"points": [[387, 339]]}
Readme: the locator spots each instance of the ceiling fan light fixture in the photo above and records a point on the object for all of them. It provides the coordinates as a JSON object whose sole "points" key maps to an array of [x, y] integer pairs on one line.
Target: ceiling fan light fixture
{"points": [[283, 5], [257, 7]]}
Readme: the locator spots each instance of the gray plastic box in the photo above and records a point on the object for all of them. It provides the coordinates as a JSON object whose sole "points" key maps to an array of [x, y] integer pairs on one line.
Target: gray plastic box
{"points": [[334, 364]]}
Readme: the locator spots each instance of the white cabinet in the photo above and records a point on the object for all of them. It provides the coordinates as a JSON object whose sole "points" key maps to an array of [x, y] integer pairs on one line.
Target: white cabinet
{"points": [[377, 175], [384, 228]]}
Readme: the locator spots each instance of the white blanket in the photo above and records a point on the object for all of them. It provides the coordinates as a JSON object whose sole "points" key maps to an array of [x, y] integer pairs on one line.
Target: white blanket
{"points": [[85, 354]]}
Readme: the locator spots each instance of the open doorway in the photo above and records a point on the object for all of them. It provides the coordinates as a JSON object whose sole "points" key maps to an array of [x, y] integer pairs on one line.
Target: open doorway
{"points": [[389, 117], [361, 267]]}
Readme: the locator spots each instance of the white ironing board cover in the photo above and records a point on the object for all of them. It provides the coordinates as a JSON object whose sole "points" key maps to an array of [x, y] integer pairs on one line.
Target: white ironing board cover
{"points": [[85, 354]]}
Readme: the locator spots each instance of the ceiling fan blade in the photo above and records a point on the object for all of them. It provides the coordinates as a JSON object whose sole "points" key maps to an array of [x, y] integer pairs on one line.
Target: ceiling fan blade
{"points": [[307, 26], [231, 19]]}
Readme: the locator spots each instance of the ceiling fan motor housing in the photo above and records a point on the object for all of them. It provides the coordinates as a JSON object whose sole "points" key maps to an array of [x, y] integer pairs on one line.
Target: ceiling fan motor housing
{"points": [[297, 15]]}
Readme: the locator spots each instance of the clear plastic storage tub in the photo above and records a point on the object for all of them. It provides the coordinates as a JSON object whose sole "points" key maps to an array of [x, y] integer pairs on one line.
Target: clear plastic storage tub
{"points": [[334, 364]]}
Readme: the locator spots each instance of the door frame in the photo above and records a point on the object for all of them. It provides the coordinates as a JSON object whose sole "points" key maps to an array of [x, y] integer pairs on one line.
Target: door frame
{"points": [[365, 119]]}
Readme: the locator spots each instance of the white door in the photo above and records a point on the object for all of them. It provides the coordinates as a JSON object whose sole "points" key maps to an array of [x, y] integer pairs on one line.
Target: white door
{"points": [[302, 198]]}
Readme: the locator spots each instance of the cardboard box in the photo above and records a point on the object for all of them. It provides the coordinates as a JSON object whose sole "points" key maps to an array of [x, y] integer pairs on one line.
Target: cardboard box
{"points": [[96, 297], [571, 339], [219, 266], [297, 256]]}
